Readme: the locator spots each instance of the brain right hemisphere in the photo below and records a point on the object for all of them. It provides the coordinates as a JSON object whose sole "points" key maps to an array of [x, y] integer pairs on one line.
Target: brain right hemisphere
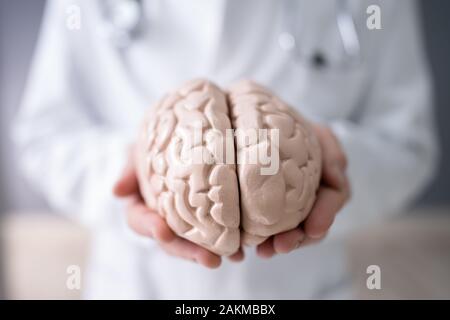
{"points": [[187, 177]]}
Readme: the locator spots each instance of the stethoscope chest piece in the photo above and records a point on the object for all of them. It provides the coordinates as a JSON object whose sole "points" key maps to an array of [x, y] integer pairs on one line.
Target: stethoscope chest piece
{"points": [[318, 60], [287, 43], [122, 20], [316, 56]]}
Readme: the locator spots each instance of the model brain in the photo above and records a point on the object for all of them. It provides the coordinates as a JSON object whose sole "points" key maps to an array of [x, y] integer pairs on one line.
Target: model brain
{"points": [[227, 168]]}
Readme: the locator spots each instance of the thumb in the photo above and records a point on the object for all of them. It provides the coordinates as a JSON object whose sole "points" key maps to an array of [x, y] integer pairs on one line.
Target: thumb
{"points": [[128, 183], [334, 161]]}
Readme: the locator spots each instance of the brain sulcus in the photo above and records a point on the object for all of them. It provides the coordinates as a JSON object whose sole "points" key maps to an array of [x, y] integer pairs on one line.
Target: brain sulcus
{"points": [[227, 168]]}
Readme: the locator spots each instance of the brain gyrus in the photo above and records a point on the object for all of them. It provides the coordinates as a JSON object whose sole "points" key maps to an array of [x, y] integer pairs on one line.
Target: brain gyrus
{"points": [[227, 168]]}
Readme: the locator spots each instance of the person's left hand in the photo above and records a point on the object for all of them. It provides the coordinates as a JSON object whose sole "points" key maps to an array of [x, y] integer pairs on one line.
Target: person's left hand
{"points": [[333, 193]]}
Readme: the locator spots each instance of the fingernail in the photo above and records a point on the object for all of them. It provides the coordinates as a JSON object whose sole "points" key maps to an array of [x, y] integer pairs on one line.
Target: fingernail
{"points": [[302, 237], [317, 236]]}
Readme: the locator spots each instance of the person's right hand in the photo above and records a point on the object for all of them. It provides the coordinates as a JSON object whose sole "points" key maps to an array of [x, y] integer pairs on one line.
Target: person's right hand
{"points": [[150, 224]]}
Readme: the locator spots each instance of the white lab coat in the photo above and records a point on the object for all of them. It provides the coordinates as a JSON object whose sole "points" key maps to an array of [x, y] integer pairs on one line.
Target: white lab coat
{"points": [[86, 96]]}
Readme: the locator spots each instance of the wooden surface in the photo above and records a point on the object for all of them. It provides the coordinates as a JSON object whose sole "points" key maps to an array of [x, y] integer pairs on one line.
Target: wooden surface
{"points": [[412, 251], [38, 249]]}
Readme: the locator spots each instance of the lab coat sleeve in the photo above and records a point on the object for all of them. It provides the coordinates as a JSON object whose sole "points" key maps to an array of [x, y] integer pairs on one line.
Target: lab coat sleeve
{"points": [[68, 153], [391, 148]]}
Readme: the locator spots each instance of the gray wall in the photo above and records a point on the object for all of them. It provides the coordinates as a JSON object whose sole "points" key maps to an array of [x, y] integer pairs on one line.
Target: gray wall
{"points": [[437, 28], [19, 23]]}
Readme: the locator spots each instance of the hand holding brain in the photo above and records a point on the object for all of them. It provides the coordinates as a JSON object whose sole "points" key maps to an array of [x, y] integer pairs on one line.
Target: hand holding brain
{"points": [[217, 199]]}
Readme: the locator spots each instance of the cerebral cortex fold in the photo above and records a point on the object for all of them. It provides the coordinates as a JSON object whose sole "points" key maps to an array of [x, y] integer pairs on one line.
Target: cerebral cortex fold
{"points": [[223, 190]]}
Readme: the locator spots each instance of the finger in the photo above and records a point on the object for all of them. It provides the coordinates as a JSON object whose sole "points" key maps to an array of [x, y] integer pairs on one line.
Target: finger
{"points": [[238, 256], [339, 152], [331, 146], [266, 249], [148, 223], [287, 241], [185, 249], [310, 241], [328, 203], [128, 182]]}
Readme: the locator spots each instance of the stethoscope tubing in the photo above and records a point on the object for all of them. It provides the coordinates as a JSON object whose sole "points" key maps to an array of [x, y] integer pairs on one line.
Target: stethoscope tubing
{"points": [[124, 28]]}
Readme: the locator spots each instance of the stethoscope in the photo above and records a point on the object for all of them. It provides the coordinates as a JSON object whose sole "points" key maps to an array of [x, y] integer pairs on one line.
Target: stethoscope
{"points": [[290, 39], [124, 20]]}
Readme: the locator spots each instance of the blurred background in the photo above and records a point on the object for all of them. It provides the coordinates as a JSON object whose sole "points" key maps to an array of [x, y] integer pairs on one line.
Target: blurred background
{"points": [[25, 218]]}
